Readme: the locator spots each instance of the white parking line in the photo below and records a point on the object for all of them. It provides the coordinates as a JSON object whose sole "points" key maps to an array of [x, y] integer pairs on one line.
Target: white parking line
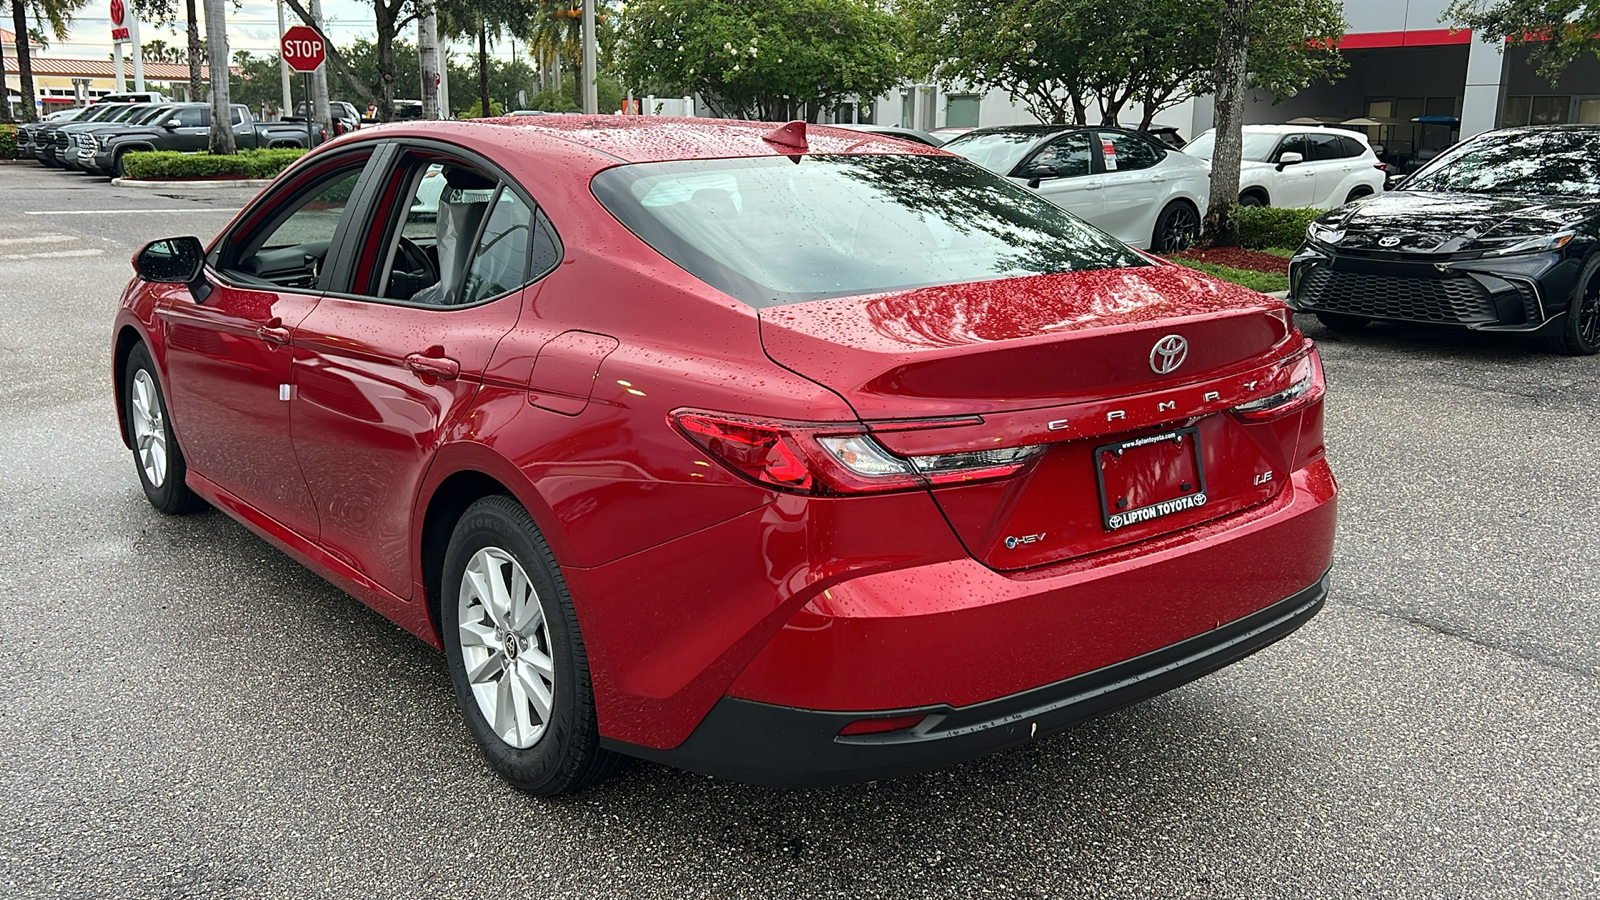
{"points": [[57, 254], [49, 237], [112, 212]]}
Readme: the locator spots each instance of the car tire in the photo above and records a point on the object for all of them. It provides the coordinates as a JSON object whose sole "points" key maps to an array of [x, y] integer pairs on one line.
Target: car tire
{"points": [[1342, 322], [156, 455], [1357, 193], [1253, 198], [121, 165], [515, 653], [1176, 228], [1580, 333]]}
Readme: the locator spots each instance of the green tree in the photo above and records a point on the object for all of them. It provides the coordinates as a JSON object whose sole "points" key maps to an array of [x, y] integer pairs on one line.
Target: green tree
{"points": [[57, 14], [1279, 46], [763, 60], [1559, 31]]}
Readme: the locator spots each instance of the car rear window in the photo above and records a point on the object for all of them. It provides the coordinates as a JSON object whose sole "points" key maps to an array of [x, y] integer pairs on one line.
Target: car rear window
{"points": [[776, 230]]}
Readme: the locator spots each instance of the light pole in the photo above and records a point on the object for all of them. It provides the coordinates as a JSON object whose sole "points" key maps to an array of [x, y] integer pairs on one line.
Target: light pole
{"points": [[591, 98], [283, 68]]}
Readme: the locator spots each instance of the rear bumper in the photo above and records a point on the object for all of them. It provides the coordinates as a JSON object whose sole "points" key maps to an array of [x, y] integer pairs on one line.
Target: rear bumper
{"points": [[778, 746]]}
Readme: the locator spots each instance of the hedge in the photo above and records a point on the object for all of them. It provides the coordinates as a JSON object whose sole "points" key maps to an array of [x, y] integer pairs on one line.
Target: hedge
{"points": [[1265, 227], [161, 165], [8, 142]]}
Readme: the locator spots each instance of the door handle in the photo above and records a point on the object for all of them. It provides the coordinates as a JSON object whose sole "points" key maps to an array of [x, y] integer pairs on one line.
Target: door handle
{"points": [[436, 366], [273, 334]]}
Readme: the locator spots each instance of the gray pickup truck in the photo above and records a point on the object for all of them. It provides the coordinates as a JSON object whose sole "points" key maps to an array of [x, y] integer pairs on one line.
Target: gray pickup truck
{"points": [[187, 128]]}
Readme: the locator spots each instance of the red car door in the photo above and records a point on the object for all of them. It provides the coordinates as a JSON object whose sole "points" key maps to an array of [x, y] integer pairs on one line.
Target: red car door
{"points": [[228, 355], [382, 372]]}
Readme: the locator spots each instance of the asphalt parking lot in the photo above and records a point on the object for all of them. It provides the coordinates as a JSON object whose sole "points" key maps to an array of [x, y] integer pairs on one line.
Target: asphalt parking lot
{"points": [[186, 712]]}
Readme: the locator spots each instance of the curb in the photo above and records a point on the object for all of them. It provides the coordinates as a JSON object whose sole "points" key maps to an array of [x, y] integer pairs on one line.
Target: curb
{"points": [[204, 183]]}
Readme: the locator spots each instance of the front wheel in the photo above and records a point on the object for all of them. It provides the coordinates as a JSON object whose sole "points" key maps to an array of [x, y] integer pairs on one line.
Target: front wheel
{"points": [[1580, 334], [515, 653], [156, 454], [1176, 228]]}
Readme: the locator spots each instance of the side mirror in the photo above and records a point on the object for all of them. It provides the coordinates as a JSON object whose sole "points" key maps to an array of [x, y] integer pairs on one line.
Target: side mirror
{"points": [[170, 124], [177, 260], [1289, 158]]}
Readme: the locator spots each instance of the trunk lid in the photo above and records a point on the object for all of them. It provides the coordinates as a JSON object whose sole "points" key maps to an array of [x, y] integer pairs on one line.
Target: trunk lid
{"points": [[1067, 361]]}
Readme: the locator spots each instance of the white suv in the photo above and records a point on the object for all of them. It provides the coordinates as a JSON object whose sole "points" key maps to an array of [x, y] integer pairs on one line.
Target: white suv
{"points": [[1295, 165]]}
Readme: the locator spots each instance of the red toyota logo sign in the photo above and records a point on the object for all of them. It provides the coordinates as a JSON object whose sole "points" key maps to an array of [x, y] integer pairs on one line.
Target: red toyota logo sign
{"points": [[117, 12], [304, 48]]}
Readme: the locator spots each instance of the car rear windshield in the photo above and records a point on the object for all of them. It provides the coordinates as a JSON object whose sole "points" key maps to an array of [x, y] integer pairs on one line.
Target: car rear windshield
{"points": [[1518, 162], [776, 230]]}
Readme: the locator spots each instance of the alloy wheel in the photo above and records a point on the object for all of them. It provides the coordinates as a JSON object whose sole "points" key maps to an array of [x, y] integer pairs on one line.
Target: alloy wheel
{"points": [[505, 646], [149, 428], [1180, 229], [1589, 315]]}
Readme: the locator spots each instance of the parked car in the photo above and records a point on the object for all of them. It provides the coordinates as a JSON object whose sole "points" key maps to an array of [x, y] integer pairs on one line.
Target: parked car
{"points": [[135, 97], [1292, 165], [26, 147], [49, 145], [716, 444], [188, 128], [895, 131], [81, 143], [1121, 181], [1497, 234], [1166, 134], [345, 117]]}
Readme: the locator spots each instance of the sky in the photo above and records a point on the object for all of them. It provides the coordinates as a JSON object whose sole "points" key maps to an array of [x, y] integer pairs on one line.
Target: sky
{"points": [[253, 26]]}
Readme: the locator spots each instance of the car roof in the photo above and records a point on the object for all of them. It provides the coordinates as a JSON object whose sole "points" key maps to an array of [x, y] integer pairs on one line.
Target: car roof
{"points": [[637, 139]]}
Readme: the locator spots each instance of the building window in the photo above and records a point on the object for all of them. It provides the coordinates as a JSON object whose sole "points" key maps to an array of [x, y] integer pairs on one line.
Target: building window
{"points": [[961, 111], [1554, 109]]}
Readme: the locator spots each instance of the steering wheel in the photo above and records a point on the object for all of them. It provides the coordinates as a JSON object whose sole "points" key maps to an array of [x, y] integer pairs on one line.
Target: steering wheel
{"points": [[417, 261]]}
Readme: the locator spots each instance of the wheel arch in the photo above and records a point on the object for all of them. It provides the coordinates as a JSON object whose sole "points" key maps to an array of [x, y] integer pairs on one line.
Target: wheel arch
{"points": [[127, 338], [1257, 190], [461, 474]]}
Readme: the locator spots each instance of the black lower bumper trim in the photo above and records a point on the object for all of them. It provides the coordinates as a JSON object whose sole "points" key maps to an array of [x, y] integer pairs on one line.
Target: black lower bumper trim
{"points": [[780, 746]]}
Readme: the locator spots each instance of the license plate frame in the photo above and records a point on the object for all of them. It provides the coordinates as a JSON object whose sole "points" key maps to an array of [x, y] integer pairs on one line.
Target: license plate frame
{"points": [[1161, 508]]}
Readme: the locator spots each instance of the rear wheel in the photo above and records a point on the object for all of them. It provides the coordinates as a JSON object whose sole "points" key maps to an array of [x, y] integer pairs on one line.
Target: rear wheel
{"points": [[1358, 193], [1253, 198], [515, 654], [1346, 324], [1580, 334], [1176, 228], [156, 454]]}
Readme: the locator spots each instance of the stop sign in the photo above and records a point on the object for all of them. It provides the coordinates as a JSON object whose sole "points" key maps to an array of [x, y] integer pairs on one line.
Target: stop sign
{"points": [[303, 48]]}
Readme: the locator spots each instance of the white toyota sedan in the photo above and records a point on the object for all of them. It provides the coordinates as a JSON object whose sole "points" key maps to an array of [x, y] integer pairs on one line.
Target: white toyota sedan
{"points": [[1128, 184], [1295, 165]]}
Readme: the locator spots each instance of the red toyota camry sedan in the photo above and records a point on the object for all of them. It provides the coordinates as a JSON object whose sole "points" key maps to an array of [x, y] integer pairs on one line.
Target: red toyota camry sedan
{"points": [[796, 456]]}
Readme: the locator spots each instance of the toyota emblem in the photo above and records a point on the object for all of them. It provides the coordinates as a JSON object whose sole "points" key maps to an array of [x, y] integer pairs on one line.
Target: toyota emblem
{"points": [[1390, 241], [1168, 354]]}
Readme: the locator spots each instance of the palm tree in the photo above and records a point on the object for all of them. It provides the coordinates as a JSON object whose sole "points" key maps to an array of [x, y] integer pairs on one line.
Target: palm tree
{"points": [[58, 15]]}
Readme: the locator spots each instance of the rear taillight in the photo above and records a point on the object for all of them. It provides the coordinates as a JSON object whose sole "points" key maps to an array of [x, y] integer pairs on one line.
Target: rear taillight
{"points": [[834, 457], [1306, 386]]}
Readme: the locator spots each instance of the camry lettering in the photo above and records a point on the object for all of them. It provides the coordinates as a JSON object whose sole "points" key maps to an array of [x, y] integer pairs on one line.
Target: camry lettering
{"points": [[1166, 405], [1212, 396], [1057, 425], [1115, 415]]}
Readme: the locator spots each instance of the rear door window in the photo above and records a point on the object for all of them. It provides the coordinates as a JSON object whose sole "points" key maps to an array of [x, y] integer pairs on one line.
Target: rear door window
{"points": [[1325, 147], [1126, 152]]}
